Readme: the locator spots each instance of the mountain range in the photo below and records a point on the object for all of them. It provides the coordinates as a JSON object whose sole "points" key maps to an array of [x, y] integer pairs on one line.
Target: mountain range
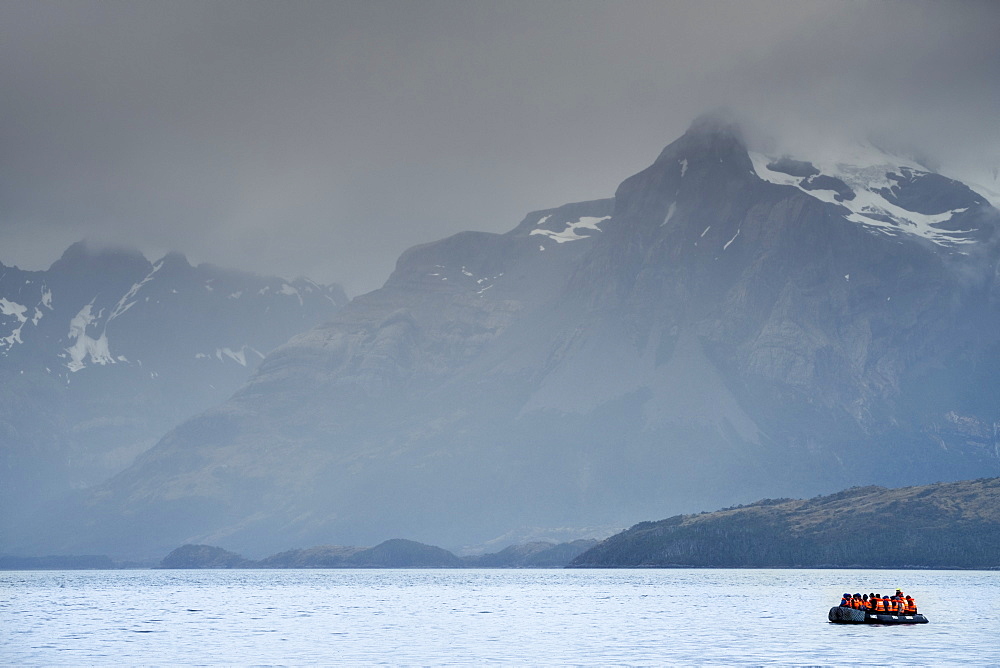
{"points": [[729, 326], [395, 553], [105, 351]]}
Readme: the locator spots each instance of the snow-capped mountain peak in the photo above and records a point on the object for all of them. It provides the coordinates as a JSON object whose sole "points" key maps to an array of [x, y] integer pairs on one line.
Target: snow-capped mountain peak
{"points": [[886, 193]]}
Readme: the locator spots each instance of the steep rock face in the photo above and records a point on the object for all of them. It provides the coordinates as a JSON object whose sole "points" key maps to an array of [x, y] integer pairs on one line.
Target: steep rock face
{"points": [[721, 330], [104, 352]]}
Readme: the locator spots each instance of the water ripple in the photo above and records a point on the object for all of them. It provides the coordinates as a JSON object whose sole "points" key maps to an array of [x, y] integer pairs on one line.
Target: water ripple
{"points": [[643, 617]]}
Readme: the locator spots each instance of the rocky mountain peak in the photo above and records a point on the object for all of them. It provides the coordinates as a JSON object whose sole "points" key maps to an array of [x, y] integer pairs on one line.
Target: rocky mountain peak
{"points": [[82, 257], [173, 261], [718, 122], [710, 156], [712, 138]]}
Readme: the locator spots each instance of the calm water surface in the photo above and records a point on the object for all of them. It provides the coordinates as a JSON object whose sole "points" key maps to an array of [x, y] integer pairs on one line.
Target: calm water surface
{"points": [[463, 617]]}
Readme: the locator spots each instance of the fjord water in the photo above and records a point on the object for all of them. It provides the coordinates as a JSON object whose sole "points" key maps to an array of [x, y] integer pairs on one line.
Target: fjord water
{"points": [[467, 617]]}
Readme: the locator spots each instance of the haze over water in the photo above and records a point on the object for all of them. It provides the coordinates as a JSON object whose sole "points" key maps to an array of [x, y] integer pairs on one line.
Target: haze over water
{"points": [[463, 617]]}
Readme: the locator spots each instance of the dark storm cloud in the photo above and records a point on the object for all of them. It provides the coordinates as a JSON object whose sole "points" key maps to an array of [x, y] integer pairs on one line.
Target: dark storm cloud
{"points": [[324, 138]]}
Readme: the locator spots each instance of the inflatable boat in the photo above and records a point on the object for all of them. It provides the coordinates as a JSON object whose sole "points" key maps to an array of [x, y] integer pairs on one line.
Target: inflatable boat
{"points": [[841, 615]]}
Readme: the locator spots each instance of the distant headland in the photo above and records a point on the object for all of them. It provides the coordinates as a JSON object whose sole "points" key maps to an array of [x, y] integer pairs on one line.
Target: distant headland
{"points": [[942, 526]]}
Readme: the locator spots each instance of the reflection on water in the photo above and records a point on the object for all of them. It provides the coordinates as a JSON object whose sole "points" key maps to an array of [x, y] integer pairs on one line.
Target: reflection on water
{"points": [[476, 616]]}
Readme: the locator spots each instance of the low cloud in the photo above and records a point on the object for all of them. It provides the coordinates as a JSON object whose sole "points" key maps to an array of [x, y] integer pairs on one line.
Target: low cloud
{"points": [[324, 138]]}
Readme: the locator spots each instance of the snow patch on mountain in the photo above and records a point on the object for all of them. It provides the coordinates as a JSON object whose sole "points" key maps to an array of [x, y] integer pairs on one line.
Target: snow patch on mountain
{"points": [[9, 308], [85, 346], [238, 355], [19, 312], [670, 213], [14, 309], [569, 233], [128, 299], [858, 181], [289, 290], [489, 281]]}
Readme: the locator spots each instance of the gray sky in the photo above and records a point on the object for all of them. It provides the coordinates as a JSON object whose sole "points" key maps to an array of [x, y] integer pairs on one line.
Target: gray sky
{"points": [[324, 138]]}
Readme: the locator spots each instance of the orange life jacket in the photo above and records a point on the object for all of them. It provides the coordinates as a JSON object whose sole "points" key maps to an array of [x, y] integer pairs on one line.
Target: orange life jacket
{"points": [[911, 606], [879, 604]]}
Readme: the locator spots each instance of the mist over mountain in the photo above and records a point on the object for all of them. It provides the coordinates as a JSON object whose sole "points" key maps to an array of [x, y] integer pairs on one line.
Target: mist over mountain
{"points": [[104, 352], [730, 326]]}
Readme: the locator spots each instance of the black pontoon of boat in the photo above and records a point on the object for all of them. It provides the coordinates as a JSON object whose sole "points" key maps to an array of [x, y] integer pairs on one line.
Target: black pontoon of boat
{"points": [[843, 615]]}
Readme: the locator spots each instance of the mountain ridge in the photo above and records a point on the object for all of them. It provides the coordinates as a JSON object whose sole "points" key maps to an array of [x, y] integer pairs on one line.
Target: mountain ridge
{"points": [[393, 553], [705, 337], [945, 525]]}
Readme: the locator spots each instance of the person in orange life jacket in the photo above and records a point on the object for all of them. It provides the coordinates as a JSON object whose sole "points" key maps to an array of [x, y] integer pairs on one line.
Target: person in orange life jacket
{"points": [[858, 602], [845, 601], [906, 603], [879, 603], [865, 603]]}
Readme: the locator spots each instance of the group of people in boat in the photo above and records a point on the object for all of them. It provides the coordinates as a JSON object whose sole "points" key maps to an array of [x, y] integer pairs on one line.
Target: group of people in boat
{"points": [[897, 604]]}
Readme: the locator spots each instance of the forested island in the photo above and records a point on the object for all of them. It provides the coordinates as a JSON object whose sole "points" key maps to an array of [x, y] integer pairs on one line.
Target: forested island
{"points": [[946, 525]]}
